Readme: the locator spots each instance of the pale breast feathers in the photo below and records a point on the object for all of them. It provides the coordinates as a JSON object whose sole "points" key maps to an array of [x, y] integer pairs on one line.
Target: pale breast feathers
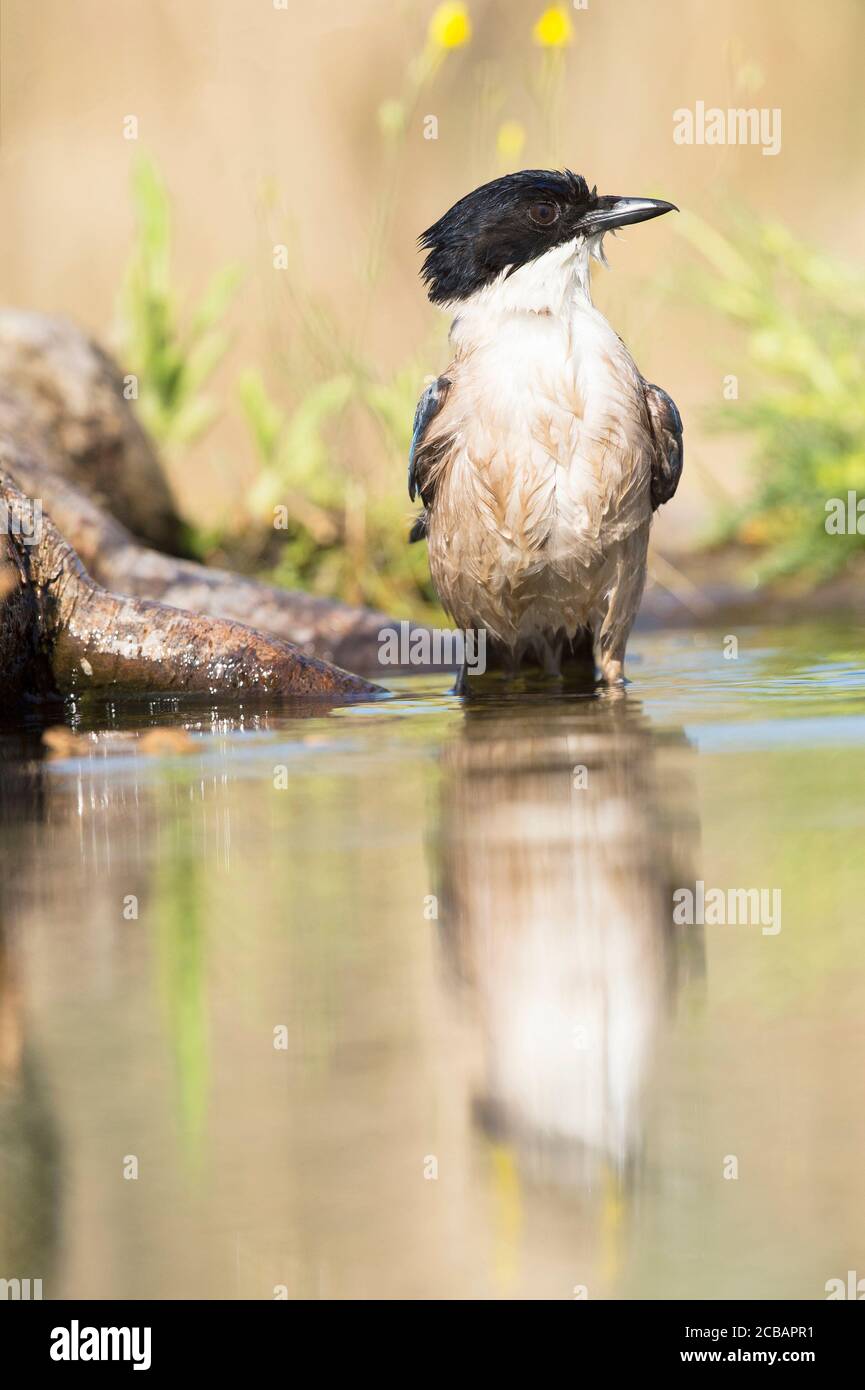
{"points": [[551, 455]]}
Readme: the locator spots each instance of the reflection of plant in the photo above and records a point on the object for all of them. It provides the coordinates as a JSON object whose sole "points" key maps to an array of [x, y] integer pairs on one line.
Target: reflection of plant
{"points": [[172, 365], [181, 944], [804, 401]]}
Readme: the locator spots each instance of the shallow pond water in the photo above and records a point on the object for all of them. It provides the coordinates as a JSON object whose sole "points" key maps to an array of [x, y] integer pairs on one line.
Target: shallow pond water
{"points": [[395, 1000]]}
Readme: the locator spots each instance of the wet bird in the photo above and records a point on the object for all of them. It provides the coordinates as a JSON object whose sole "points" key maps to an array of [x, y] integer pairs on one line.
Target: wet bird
{"points": [[541, 453]]}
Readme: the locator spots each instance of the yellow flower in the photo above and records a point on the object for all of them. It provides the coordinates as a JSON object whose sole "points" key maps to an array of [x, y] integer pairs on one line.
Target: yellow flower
{"points": [[450, 26], [553, 29], [510, 140]]}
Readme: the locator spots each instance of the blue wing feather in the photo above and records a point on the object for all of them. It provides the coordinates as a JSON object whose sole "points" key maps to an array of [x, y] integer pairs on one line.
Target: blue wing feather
{"points": [[428, 407]]}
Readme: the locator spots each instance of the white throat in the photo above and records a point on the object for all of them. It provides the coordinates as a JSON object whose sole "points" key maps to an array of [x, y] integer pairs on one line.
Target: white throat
{"points": [[555, 283]]}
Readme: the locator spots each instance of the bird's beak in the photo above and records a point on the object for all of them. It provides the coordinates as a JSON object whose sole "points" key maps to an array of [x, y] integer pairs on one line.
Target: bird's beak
{"points": [[612, 211]]}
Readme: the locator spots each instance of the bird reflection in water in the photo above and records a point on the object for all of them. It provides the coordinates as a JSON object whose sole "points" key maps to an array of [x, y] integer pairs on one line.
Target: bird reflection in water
{"points": [[565, 826]]}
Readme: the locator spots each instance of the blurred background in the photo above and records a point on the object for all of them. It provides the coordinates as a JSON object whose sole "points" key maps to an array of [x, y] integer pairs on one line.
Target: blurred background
{"points": [[228, 195], [503, 1072]]}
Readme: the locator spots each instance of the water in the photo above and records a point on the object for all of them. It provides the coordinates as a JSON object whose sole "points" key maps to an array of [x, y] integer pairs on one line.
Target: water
{"points": [[388, 1000]]}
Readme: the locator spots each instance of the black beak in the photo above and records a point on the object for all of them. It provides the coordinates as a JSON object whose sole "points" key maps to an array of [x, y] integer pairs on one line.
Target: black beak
{"points": [[611, 212]]}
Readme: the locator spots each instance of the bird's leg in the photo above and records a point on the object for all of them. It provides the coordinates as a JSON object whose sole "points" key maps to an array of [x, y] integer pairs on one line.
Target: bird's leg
{"points": [[612, 641], [612, 669], [461, 684], [622, 604]]}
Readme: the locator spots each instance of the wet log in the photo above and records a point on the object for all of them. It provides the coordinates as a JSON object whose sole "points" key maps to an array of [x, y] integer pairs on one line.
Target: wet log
{"points": [[61, 633], [25, 671], [332, 631], [72, 398], [71, 439]]}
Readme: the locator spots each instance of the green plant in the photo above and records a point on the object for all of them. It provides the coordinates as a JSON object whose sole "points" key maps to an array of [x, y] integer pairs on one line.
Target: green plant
{"points": [[333, 456], [172, 364], [331, 428], [802, 397], [343, 534]]}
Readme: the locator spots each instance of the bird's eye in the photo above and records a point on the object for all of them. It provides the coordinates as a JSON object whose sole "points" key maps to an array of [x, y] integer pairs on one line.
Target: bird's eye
{"points": [[544, 214]]}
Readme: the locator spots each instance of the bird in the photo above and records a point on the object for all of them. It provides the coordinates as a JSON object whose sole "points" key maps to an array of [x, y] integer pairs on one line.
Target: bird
{"points": [[541, 453]]}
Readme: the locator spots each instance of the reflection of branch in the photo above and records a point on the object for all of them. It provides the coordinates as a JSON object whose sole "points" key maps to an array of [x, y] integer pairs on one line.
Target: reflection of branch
{"points": [[182, 941]]}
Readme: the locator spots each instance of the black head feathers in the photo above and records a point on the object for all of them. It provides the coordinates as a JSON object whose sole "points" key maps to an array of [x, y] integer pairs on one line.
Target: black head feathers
{"points": [[507, 223], [502, 225]]}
